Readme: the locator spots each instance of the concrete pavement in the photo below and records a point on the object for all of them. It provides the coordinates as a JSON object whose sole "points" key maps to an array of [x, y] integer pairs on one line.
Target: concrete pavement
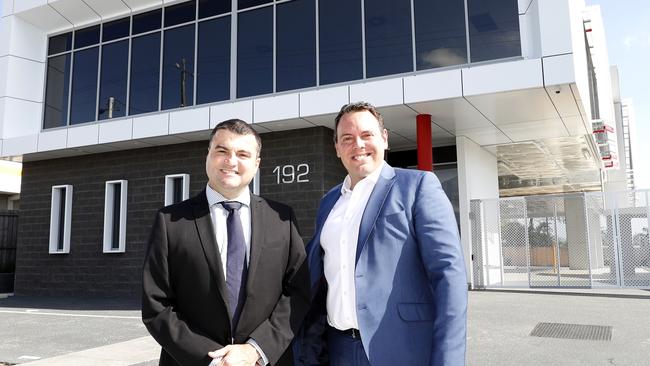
{"points": [[104, 332]]}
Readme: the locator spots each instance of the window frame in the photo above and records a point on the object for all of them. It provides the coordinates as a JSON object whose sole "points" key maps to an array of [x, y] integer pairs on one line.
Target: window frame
{"points": [[169, 187], [65, 45], [109, 216], [55, 219]]}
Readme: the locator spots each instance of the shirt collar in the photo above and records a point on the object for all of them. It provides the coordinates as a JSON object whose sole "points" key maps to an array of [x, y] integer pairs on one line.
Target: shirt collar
{"points": [[370, 179], [215, 197]]}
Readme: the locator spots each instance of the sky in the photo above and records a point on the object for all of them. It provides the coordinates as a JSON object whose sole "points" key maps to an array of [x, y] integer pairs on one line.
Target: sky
{"points": [[628, 44]]}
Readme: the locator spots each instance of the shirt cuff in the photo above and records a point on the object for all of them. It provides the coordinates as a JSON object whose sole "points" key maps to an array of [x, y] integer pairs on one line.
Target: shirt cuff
{"points": [[263, 361]]}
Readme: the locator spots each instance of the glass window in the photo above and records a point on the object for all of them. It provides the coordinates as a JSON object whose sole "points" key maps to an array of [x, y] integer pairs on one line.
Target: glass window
{"points": [[243, 4], [56, 91], [296, 45], [112, 86], [60, 43], [493, 29], [178, 68], [255, 52], [84, 86], [116, 29], [86, 37], [340, 53], [213, 63], [180, 13], [147, 21], [145, 74], [208, 8], [389, 46], [440, 38]]}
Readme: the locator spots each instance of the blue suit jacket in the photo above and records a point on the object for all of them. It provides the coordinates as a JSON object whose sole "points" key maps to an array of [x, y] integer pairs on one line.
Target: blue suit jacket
{"points": [[411, 287]]}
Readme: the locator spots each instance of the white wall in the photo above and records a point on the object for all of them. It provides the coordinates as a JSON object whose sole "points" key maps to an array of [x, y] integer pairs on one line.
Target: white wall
{"points": [[601, 64], [477, 179], [10, 176], [22, 75]]}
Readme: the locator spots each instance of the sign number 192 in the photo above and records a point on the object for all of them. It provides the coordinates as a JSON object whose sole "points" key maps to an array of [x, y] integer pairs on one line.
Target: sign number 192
{"points": [[291, 174]]}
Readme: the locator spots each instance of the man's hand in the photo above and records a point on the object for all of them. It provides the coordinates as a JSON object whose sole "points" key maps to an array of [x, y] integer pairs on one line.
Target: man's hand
{"points": [[235, 355]]}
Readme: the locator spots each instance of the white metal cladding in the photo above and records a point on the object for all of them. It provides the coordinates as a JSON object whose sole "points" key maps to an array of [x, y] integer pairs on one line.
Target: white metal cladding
{"points": [[583, 240]]}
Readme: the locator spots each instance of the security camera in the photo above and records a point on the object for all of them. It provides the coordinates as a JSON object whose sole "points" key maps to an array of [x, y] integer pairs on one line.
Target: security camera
{"points": [[557, 90]]}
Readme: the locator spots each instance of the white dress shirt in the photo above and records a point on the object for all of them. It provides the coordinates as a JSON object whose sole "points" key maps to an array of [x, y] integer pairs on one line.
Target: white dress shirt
{"points": [[339, 242], [219, 215]]}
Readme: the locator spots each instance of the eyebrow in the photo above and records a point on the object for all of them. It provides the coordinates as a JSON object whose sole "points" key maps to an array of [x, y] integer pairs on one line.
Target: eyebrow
{"points": [[237, 151]]}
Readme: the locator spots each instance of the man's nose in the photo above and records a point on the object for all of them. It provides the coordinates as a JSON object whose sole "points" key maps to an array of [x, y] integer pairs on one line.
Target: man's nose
{"points": [[358, 142], [231, 158]]}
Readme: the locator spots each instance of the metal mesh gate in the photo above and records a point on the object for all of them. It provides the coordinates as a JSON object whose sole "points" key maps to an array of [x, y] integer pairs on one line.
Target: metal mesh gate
{"points": [[572, 240]]}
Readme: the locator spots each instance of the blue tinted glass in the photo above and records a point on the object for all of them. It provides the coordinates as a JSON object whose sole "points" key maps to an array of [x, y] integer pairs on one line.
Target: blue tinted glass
{"points": [[60, 43], [389, 47], [56, 91], [243, 4], [208, 8], [145, 72], [255, 52], [493, 29], [180, 13], [147, 21], [116, 29], [112, 84], [178, 67], [340, 41], [440, 38], [213, 64], [84, 86], [86, 37], [296, 45]]}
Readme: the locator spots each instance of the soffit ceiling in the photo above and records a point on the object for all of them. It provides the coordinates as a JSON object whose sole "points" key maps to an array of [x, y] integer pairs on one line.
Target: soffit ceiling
{"points": [[539, 136]]}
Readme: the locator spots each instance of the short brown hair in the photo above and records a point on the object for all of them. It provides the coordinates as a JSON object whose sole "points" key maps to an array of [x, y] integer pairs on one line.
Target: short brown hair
{"points": [[358, 107], [239, 127]]}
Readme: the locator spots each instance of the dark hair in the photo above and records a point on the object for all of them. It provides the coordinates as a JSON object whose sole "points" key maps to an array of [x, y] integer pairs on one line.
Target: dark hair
{"points": [[239, 127], [358, 107]]}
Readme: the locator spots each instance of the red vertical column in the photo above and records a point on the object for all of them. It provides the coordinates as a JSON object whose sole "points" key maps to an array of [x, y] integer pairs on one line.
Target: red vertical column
{"points": [[425, 153]]}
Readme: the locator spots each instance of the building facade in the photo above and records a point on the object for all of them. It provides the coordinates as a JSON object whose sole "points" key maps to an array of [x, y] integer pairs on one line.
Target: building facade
{"points": [[108, 105]]}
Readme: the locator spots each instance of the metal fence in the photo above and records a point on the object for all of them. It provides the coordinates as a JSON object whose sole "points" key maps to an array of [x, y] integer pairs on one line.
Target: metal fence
{"points": [[8, 238], [580, 240]]}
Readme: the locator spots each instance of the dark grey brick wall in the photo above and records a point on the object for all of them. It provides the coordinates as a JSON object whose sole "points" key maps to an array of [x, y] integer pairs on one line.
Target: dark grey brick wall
{"points": [[311, 146], [88, 271]]}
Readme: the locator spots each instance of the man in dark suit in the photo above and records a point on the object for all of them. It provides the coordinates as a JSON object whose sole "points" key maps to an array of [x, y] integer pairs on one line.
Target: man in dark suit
{"points": [[386, 264], [225, 280]]}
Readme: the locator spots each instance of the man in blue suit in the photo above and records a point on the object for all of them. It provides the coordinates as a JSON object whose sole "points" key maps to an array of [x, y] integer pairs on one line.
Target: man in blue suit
{"points": [[387, 270]]}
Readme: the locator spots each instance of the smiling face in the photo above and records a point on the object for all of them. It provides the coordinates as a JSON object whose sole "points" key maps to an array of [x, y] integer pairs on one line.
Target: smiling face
{"points": [[231, 163], [360, 144]]}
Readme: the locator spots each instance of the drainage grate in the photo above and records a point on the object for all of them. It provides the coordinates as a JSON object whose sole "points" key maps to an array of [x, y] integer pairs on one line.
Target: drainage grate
{"points": [[573, 331]]}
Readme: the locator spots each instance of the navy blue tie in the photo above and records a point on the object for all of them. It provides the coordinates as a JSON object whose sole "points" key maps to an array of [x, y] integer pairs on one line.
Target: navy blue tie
{"points": [[236, 271]]}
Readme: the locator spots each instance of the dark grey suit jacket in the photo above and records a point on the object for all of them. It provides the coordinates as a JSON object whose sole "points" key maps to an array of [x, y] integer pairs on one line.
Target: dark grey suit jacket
{"points": [[184, 290]]}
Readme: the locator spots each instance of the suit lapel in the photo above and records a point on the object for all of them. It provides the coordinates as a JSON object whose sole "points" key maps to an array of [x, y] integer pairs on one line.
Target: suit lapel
{"points": [[257, 238], [375, 203], [203, 222], [257, 244]]}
